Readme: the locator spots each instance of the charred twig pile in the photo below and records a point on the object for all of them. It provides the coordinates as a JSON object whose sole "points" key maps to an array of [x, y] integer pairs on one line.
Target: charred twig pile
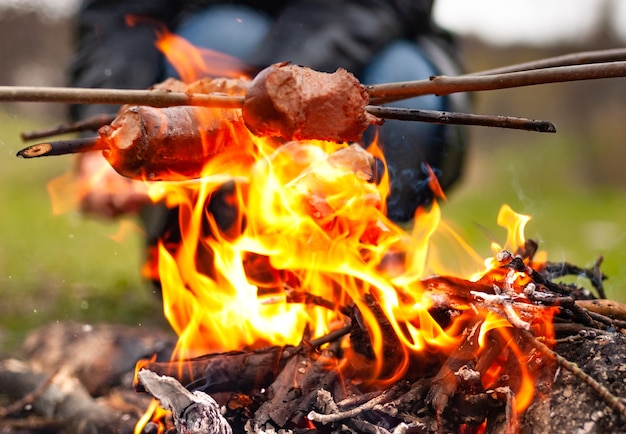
{"points": [[314, 388], [320, 385]]}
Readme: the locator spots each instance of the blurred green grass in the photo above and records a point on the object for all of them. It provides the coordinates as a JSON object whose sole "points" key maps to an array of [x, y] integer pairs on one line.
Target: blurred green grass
{"points": [[536, 174], [66, 267], [59, 267]]}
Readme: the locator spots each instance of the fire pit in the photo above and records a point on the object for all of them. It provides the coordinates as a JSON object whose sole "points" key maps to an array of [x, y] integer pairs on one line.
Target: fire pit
{"points": [[300, 307]]}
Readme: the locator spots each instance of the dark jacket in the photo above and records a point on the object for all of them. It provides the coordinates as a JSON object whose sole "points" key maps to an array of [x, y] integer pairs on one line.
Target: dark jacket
{"points": [[321, 34]]}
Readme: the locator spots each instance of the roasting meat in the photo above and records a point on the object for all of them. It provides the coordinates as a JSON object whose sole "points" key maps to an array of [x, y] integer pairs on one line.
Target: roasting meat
{"points": [[298, 103], [284, 100], [172, 143]]}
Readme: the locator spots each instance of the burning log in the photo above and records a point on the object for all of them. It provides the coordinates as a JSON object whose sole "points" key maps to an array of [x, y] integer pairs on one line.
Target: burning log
{"points": [[234, 371]]}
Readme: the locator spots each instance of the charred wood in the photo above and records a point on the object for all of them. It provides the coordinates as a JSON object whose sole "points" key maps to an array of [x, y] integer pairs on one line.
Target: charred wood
{"points": [[92, 123], [193, 413], [64, 400], [234, 371], [61, 147]]}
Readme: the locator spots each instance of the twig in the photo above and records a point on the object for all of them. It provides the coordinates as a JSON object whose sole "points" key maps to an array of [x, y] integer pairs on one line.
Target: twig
{"points": [[29, 398], [154, 97], [614, 402], [443, 85], [61, 147], [594, 274], [454, 118], [580, 58], [340, 415], [329, 337], [379, 93], [92, 123]]}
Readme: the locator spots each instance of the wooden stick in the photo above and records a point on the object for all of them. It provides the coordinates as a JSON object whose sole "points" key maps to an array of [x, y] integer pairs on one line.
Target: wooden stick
{"points": [[379, 93], [62, 147], [154, 98], [443, 85], [89, 144], [92, 123], [580, 58], [455, 118]]}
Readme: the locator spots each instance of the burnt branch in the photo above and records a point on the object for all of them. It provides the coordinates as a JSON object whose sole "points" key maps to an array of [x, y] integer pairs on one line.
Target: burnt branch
{"points": [[236, 371], [29, 398], [61, 147], [92, 123], [455, 118], [595, 276]]}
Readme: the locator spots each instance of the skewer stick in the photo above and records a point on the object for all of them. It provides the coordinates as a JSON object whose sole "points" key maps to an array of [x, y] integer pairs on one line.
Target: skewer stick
{"points": [[74, 146], [379, 93], [92, 123], [443, 85], [579, 58], [154, 98], [455, 118], [432, 116], [62, 147]]}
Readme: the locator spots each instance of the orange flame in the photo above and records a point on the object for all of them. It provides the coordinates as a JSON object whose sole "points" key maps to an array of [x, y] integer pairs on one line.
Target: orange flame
{"points": [[268, 223], [307, 217], [193, 63]]}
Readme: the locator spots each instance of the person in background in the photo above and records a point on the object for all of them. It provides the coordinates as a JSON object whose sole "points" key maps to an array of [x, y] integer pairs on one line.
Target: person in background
{"points": [[378, 41]]}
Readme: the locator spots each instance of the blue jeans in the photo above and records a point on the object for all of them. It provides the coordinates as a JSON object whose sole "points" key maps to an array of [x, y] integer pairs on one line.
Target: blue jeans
{"points": [[407, 146]]}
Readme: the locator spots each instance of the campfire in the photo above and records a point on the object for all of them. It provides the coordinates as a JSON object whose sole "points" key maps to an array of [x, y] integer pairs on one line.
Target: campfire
{"points": [[300, 307]]}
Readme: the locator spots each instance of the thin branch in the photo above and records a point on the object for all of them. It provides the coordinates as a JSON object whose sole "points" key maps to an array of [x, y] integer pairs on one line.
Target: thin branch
{"points": [[92, 123], [379, 93], [444, 85], [88, 144], [339, 415], [61, 147], [580, 58], [455, 118], [614, 402], [29, 398], [154, 98]]}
